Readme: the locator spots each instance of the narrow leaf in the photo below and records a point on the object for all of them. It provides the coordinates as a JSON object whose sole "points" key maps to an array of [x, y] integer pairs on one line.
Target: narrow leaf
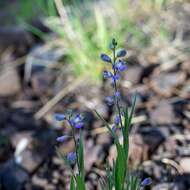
{"points": [[132, 110], [120, 168], [72, 184], [81, 156], [80, 183]]}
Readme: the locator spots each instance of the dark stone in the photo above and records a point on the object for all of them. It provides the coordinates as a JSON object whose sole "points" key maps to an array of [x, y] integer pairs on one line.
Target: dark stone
{"points": [[4, 112], [184, 178], [23, 120], [5, 148], [44, 141], [12, 176], [153, 137], [89, 119]]}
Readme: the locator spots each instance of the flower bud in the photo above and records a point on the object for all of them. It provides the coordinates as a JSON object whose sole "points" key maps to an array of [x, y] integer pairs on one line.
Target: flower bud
{"points": [[59, 117], [146, 181], [105, 58], [121, 53]]}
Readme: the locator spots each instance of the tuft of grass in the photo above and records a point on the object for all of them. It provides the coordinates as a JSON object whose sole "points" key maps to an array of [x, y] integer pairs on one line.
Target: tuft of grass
{"points": [[84, 27]]}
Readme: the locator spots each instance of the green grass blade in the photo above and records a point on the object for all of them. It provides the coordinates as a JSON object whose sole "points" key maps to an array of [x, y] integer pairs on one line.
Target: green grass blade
{"points": [[125, 132], [106, 124], [109, 177], [80, 183], [81, 156], [120, 168], [102, 33], [72, 184], [51, 9], [132, 110]]}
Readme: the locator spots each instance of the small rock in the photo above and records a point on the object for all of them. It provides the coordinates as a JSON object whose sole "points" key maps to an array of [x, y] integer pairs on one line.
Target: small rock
{"points": [[31, 160], [37, 150], [41, 182], [185, 164], [12, 176], [4, 112], [133, 74], [103, 138], [162, 114], [168, 186], [5, 148], [41, 83], [88, 119], [40, 58], [22, 119], [138, 151], [164, 83], [168, 149], [185, 66], [17, 137], [9, 82], [91, 154], [152, 137], [183, 179]]}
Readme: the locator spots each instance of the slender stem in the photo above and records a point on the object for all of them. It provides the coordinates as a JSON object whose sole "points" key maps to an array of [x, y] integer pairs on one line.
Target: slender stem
{"points": [[117, 101], [76, 145], [116, 89]]}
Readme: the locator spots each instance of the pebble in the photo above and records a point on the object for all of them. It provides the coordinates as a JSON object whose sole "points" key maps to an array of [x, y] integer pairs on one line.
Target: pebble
{"points": [[12, 176]]}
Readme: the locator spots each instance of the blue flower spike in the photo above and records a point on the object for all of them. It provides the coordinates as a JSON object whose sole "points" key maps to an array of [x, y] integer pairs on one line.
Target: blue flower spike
{"points": [[71, 157], [117, 94], [62, 138], [105, 58], [59, 117], [115, 78], [114, 129], [109, 100], [120, 65], [121, 53], [107, 74], [117, 120], [77, 121], [146, 181]]}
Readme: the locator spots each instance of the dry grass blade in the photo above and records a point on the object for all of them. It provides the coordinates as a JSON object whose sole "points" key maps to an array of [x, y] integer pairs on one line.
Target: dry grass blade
{"points": [[51, 103]]}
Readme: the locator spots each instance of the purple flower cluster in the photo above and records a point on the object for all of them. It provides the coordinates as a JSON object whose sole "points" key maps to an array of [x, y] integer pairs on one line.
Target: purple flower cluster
{"points": [[110, 100], [71, 157], [146, 181], [118, 65], [76, 122], [62, 138]]}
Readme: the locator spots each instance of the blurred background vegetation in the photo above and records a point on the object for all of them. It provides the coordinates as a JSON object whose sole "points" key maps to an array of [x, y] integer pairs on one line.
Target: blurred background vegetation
{"points": [[84, 27], [49, 63]]}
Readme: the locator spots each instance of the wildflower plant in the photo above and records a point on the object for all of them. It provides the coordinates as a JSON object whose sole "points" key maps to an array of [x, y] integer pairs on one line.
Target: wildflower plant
{"points": [[76, 123], [117, 176]]}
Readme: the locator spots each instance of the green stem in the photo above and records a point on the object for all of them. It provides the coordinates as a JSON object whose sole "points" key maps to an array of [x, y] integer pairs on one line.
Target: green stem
{"points": [[116, 90], [76, 146]]}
